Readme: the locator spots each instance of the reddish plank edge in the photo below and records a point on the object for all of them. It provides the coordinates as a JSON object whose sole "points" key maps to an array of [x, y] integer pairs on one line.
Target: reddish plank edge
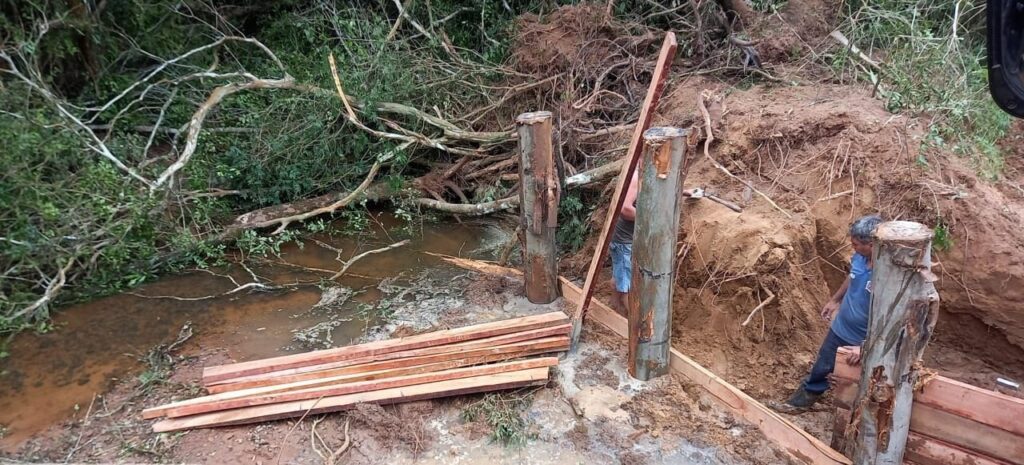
{"points": [[497, 328], [923, 450], [363, 386], [516, 379], [633, 155], [981, 405], [489, 342], [469, 357]]}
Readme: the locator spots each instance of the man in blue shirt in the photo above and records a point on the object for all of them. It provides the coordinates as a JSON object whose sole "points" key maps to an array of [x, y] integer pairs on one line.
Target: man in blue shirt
{"points": [[850, 326]]}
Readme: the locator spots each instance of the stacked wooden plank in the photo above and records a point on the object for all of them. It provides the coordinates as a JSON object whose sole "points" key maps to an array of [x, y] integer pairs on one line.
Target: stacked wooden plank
{"points": [[478, 358], [951, 422]]}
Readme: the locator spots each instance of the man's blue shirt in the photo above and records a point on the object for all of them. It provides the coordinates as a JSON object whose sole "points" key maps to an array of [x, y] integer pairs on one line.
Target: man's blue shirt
{"points": [[851, 322]]}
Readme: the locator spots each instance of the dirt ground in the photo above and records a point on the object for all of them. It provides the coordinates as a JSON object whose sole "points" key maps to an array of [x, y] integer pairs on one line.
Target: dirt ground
{"points": [[591, 411], [825, 152]]}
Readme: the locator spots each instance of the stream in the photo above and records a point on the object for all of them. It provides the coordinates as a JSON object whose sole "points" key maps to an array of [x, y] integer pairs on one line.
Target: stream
{"points": [[48, 377]]}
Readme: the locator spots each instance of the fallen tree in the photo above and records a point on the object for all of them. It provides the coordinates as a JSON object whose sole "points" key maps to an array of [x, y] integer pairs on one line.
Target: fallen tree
{"points": [[189, 119]]}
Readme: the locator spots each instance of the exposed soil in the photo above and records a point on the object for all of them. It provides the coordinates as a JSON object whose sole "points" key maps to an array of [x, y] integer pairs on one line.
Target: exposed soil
{"points": [[592, 412], [826, 153], [804, 146]]}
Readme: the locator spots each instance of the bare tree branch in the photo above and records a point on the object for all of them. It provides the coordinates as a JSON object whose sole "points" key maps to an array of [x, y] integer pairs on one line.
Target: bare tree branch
{"points": [[52, 288], [356, 258]]}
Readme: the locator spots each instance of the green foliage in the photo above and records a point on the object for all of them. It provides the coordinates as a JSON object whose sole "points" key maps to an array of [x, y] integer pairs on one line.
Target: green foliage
{"points": [[573, 222], [357, 221], [942, 241], [158, 368], [933, 64], [251, 243], [504, 413], [64, 203]]}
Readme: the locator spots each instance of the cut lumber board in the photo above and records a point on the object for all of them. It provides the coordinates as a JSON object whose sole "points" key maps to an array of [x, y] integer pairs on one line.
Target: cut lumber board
{"points": [[794, 440], [159, 411], [934, 422], [926, 451], [840, 420], [464, 358], [516, 379], [632, 159], [436, 338], [923, 450], [987, 407], [352, 388], [560, 330]]}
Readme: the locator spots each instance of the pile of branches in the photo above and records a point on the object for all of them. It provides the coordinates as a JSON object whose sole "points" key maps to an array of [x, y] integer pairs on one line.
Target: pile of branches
{"points": [[589, 64]]}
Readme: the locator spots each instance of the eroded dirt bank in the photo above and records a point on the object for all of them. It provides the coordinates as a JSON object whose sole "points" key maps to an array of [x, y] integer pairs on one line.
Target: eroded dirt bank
{"points": [[827, 155]]}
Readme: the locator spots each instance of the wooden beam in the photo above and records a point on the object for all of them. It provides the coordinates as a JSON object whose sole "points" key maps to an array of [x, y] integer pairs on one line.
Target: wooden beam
{"points": [[214, 405], [436, 338], [465, 358], [921, 449], [647, 109], [539, 194], [559, 330], [654, 258], [798, 443], [984, 440], [516, 379], [981, 405], [984, 431], [264, 386]]}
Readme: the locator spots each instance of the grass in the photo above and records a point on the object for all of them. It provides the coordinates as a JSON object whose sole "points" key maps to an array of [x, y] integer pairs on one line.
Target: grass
{"points": [[504, 414]]}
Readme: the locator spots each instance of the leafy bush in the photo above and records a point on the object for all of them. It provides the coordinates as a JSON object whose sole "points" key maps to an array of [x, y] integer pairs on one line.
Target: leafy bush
{"points": [[934, 64]]}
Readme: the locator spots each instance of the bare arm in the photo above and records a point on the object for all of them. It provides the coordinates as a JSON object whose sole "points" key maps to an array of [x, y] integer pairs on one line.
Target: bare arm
{"points": [[628, 209], [832, 305]]}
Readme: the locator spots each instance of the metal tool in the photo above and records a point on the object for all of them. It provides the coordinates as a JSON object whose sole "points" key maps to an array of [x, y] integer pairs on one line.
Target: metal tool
{"points": [[1008, 384], [700, 193]]}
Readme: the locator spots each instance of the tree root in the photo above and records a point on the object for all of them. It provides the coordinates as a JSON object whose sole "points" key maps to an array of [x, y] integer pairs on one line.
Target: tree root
{"points": [[707, 142]]}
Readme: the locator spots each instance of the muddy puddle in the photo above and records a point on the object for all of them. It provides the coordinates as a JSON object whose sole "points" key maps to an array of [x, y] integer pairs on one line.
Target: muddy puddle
{"points": [[48, 377]]}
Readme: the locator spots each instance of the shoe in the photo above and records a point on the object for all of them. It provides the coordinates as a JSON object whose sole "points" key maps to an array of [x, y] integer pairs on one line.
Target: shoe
{"points": [[799, 402], [802, 399]]}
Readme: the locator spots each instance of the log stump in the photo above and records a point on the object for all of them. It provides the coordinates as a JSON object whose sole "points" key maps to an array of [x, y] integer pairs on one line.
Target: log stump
{"points": [[904, 308]]}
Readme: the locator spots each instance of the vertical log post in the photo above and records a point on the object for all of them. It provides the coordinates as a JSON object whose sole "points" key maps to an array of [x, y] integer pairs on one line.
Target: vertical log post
{"points": [[539, 194], [654, 244], [904, 307]]}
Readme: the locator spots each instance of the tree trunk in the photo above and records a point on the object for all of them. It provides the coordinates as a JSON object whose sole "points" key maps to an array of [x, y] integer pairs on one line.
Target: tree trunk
{"points": [[654, 245], [904, 307], [539, 197]]}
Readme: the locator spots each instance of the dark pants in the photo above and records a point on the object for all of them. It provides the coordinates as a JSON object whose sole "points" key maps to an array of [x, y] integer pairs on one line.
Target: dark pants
{"points": [[817, 381]]}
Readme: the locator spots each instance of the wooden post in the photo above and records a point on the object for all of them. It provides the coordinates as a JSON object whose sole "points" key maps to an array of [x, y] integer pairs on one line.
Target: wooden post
{"points": [[904, 307], [631, 159], [654, 245], [539, 194]]}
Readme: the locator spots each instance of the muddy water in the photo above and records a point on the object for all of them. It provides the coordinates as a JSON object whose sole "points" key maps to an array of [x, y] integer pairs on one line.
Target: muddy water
{"points": [[48, 377]]}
